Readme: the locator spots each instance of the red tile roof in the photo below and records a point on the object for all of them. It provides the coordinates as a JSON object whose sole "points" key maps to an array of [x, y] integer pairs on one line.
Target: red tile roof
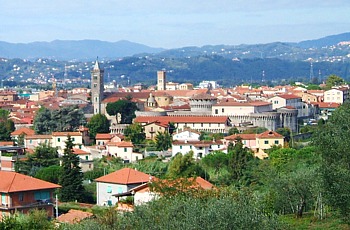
{"points": [[25, 130], [288, 96], [269, 134], [73, 216], [327, 104], [121, 144], [125, 176], [16, 182], [80, 152], [66, 134], [242, 135], [182, 119], [103, 136], [234, 103]]}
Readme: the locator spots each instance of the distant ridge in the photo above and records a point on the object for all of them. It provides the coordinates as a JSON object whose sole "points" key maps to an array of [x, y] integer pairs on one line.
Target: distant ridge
{"points": [[90, 49], [78, 50], [325, 41]]}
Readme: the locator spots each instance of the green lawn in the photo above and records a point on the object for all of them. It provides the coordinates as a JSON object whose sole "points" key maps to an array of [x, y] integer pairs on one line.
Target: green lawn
{"points": [[331, 222]]}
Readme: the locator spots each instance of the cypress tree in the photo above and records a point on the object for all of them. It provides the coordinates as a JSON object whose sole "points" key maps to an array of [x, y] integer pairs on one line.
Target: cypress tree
{"points": [[71, 178]]}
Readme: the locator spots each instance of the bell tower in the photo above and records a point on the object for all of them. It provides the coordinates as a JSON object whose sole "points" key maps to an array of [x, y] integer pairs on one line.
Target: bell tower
{"points": [[97, 87]]}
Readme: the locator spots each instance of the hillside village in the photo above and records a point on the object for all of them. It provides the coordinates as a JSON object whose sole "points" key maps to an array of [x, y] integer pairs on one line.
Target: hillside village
{"points": [[190, 111]]}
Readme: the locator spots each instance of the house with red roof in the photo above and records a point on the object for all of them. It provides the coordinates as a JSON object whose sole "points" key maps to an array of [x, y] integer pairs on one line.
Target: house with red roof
{"points": [[8, 157], [123, 150], [199, 148], [85, 158], [213, 124], [22, 131], [266, 140], [33, 141], [118, 182], [144, 193], [258, 143], [21, 193]]}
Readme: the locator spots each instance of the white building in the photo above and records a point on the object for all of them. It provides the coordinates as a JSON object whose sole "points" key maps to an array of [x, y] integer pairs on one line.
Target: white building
{"points": [[118, 182]]}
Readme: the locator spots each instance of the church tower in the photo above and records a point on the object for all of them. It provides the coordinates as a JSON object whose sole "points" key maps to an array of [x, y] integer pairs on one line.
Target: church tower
{"points": [[97, 87], [161, 80]]}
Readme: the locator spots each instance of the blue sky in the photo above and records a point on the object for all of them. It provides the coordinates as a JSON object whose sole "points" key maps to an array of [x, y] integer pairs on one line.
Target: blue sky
{"points": [[175, 23]]}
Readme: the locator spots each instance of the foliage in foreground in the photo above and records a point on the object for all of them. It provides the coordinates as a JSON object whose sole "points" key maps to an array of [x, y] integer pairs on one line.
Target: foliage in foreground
{"points": [[238, 211]]}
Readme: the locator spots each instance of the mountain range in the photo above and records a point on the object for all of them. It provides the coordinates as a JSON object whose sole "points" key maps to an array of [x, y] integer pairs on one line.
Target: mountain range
{"points": [[90, 49]]}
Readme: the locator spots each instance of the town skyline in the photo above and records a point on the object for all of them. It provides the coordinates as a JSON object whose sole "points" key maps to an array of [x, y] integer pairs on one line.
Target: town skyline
{"points": [[173, 24]]}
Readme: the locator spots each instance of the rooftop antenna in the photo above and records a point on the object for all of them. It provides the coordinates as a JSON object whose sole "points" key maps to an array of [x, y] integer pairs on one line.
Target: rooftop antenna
{"points": [[311, 71], [263, 76], [65, 74]]}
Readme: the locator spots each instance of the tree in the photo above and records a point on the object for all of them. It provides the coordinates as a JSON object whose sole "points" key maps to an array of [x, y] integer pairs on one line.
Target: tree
{"points": [[334, 80], [232, 131], [65, 119], [216, 160], [6, 126], [135, 133], [44, 156], [98, 124], [125, 108], [50, 174], [238, 159], [163, 141], [184, 166], [292, 177], [332, 141], [71, 178]]}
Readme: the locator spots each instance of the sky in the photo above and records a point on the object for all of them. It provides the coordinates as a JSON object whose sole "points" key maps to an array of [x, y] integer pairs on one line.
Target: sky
{"points": [[173, 23]]}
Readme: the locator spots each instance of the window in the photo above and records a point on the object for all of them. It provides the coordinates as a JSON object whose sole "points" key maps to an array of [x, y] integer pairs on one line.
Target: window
{"points": [[276, 142], [31, 141], [41, 195], [109, 189], [201, 124], [86, 157], [266, 142], [125, 150], [216, 111], [180, 146], [58, 139], [95, 85], [73, 139], [190, 146], [21, 196], [222, 110]]}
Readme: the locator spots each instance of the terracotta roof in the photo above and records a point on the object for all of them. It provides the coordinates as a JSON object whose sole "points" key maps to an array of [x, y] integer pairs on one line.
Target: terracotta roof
{"points": [[182, 119], [103, 136], [202, 96], [234, 103], [25, 130], [121, 144], [80, 152], [269, 134], [66, 134], [39, 136], [288, 96], [327, 104], [125, 176], [197, 143], [204, 183], [16, 182], [73, 216], [241, 135], [6, 143]]}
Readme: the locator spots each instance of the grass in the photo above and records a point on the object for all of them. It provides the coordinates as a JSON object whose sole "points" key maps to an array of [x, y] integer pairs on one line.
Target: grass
{"points": [[309, 221]]}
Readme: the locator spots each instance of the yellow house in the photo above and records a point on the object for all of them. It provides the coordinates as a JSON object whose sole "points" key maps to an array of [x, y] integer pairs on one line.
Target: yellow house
{"points": [[59, 140], [152, 129], [266, 140]]}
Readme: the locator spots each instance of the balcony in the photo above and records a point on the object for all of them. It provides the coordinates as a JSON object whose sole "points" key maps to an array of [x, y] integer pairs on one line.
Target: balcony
{"points": [[35, 204]]}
